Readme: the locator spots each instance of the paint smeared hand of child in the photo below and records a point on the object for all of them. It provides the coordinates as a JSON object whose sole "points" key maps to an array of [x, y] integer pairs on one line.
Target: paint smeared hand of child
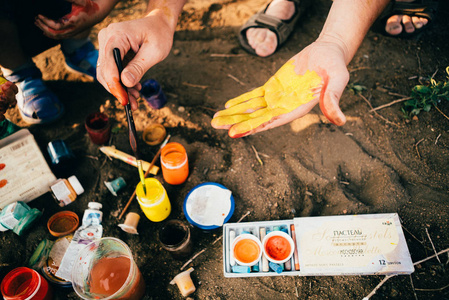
{"points": [[283, 93]]}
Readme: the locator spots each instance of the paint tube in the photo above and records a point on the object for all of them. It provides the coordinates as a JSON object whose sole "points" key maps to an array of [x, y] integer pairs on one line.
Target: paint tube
{"points": [[90, 230]]}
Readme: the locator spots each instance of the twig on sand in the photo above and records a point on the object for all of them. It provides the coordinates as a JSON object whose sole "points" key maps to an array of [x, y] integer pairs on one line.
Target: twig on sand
{"points": [[226, 55], [391, 103], [430, 257], [433, 247], [257, 155], [438, 137], [389, 276], [413, 287], [369, 103], [434, 290], [408, 231], [195, 85], [378, 287], [236, 79], [216, 240], [439, 110], [207, 108], [92, 157], [357, 69], [396, 94], [416, 146], [190, 260]]}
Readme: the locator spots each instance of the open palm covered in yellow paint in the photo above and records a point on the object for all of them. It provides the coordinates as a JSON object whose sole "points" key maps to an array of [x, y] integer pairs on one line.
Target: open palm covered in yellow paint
{"points": [[283, 93]]}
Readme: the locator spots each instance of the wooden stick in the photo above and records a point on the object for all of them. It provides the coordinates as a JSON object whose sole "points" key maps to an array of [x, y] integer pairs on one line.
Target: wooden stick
{"points": [[146, 174], [391, 103]]}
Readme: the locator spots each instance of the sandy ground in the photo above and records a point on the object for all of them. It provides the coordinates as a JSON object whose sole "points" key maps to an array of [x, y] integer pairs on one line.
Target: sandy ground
{"points": [[378, 162]]}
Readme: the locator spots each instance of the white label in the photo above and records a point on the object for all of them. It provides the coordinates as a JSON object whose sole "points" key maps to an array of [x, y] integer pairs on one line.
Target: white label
{"points": [[61, 192]]}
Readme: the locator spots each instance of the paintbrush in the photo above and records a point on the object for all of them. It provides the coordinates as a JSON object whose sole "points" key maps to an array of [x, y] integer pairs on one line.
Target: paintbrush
{"points": [[129, 115]]}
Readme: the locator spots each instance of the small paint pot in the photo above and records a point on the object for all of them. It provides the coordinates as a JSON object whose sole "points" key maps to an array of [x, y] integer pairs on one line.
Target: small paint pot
{"points": [[59, 152], [184, 282], [63, 223], [247, 249], [154, 134], [115, 185], [175, 238], [131, 221], [152, 92], [278, 247], [98, 127]]}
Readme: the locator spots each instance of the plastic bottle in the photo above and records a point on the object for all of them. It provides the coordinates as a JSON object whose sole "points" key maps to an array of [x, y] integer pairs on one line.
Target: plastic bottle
{"points": [[175, 163], [25, 284], [65, 191]]}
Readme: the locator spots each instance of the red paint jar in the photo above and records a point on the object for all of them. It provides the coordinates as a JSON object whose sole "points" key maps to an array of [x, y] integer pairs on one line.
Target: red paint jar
{"points": [[175, 164], [25, 284]]}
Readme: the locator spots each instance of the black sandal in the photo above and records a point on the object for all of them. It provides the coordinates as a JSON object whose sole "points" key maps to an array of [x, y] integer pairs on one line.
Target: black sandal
{"points": [[282, 28], [419, 8]]}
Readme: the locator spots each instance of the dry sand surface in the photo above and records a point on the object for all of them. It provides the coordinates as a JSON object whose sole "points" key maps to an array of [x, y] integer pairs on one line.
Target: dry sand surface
{"points": [[378, 162]]}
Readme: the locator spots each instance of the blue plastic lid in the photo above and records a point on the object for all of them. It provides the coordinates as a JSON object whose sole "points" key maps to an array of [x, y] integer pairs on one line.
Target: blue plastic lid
{"points": [[209, 205]]}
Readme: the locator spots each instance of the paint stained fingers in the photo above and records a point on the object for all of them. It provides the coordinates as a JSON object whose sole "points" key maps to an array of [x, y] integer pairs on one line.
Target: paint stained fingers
{"points": [[225, 122], [254, 124], [258, 92], [49, 23], [243, 107]]}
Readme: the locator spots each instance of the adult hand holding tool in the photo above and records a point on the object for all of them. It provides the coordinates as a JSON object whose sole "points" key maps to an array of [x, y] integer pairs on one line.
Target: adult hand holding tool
{"points": [[149, 38]]}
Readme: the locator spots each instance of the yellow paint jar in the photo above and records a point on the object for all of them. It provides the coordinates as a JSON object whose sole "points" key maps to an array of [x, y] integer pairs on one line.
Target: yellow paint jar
{"points": [[155, 203]]}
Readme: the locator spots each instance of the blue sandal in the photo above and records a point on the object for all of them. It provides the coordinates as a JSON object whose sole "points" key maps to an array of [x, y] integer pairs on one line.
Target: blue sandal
{"points": [[36, 103], [83, 60]]}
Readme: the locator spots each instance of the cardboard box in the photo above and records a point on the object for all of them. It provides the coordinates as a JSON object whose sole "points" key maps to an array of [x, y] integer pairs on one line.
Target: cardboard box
{"points": [[370, 244], [24, 172]]}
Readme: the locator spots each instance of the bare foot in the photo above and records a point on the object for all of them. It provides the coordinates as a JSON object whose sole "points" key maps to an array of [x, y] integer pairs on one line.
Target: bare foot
{"points": [[264, 41], [397, 23]]}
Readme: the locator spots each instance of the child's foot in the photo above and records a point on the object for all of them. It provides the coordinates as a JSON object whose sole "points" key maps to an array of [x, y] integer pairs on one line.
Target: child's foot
{"points": [[263, 40], [397, 23]]}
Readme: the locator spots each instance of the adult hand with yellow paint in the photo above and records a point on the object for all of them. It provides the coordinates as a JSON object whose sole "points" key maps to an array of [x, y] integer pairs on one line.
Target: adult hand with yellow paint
{"points": [[316, 74], [8, 90]]}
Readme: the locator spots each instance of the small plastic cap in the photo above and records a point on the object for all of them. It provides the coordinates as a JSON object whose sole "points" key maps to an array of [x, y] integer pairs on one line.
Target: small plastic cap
{"points": [[74, 182], [3, 228], [127, 228], [95, 205]]}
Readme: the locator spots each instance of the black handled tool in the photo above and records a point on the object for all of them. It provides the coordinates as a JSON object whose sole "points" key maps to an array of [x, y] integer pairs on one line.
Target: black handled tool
{"points": [[131, 127]]}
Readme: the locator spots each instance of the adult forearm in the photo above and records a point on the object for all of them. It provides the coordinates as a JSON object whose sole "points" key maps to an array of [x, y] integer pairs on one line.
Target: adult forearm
{"points": [[168, 9], [349, 21]]}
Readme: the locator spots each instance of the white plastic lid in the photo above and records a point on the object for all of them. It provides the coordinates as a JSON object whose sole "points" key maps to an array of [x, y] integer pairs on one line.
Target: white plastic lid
{"points": [[95, 205], [3, 228], [76, 185]]}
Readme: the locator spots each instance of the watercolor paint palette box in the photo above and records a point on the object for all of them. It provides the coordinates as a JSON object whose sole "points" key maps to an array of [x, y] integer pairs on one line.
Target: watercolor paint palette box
{"points": [[370, 244], [24, 172]]}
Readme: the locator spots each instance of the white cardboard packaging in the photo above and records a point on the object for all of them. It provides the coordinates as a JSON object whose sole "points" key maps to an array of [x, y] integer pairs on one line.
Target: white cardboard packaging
{"points": [[370, 244], [24, 168]]}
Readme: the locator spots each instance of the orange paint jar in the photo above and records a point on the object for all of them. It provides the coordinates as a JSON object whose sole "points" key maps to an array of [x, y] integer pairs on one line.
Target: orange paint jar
{"points": [[175, 164]]}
